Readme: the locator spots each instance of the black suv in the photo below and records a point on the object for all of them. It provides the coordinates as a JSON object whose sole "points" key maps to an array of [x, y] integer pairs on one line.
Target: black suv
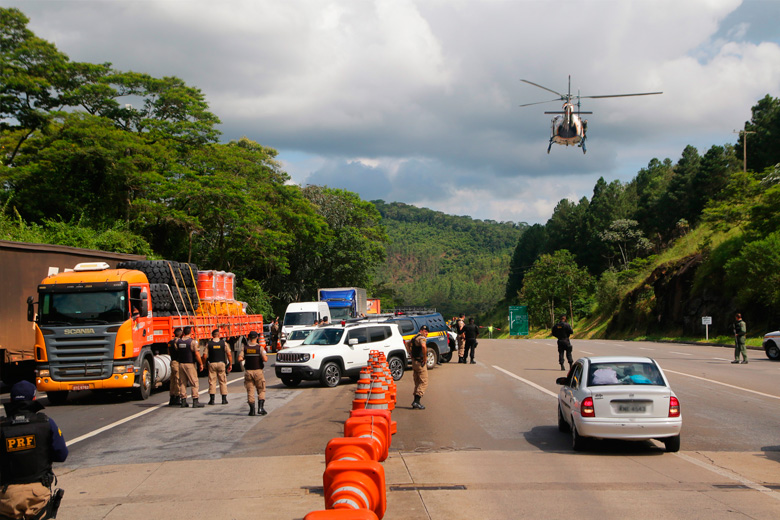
{"points": [[439, 346]]}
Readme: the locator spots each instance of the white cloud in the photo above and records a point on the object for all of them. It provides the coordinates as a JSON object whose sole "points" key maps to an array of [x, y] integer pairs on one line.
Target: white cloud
{"points": [[417, 101]]}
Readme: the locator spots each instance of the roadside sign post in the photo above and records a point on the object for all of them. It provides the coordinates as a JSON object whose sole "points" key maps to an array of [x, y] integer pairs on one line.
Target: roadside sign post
{"points": [[518, 320], [706, 321]]}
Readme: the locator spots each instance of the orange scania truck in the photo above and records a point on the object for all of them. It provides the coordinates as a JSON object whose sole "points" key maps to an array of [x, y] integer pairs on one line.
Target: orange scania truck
{"points": [[98, 328]]}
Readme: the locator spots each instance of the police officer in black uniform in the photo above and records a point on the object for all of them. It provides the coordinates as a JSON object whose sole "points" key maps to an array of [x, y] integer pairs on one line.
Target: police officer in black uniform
{"points": [[29, 443], [562, 331]]}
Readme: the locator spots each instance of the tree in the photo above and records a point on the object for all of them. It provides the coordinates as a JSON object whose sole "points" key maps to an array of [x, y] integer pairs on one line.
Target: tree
{"points": [[763, 145], [626, 236], [530, 245], [554, 280], [754, 275]]}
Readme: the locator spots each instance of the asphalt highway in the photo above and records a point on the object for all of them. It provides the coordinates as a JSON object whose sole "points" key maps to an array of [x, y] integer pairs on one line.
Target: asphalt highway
{"points": [[489, 434]]}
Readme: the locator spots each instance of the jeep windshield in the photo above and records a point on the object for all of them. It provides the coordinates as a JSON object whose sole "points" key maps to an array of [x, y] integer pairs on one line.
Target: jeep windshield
{"points": [[83, 307], [329, 336]]}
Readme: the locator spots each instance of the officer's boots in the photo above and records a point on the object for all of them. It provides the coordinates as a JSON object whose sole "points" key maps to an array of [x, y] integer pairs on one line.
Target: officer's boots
{"points": [[184, 403], [260, 407], [211, 398], [563, 367], [417, 404], [196, 403], [224, 399], [172, 402], [252, 409]]}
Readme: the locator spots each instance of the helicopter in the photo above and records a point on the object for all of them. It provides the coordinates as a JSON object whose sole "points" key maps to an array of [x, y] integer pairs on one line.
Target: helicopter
{"points": [[568, 128]]}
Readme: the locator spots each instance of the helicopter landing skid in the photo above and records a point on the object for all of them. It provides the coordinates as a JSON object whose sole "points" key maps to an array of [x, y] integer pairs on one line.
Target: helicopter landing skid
{"points": [[582, 145], [549, 145]]}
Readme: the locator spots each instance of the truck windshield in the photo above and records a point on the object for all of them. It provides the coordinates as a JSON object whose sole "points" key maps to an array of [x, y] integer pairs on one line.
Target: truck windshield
{"points": [[63, 308], [338, 314], [329, 336], [299, 318]]}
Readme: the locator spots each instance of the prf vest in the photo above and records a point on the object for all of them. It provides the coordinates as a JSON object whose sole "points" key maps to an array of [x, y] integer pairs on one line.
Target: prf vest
{"points": [[25, 454], [217, 351], [253, 358], [184, 352], [416, 348]]}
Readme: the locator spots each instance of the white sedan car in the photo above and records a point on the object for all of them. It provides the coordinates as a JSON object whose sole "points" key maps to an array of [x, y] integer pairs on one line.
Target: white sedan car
{"points": [[296, 337], [618, 397]]}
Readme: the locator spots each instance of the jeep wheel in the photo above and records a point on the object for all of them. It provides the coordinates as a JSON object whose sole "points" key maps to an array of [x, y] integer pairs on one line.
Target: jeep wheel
{"points": [[331, 374], [396, 365], [291, 382], [433, 357], [772, 351]]}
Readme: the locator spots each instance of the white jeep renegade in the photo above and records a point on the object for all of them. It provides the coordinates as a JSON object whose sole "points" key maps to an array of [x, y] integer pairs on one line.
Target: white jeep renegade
{"points": [[332, 352]]}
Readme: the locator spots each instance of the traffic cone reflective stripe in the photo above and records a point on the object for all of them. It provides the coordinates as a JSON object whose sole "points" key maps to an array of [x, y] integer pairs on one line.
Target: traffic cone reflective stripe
{"points": [[355, 485], [353, 448], [370, 426], [377, 413]]}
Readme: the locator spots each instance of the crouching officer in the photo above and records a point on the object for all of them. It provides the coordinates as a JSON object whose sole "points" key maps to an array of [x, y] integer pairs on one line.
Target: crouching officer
{"points": [[418, 350], [29, 443], [254, 358]]}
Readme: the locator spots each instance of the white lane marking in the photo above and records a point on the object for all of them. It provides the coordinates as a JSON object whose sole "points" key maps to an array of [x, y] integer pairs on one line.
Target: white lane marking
{"points": [[710, 467], [526, 381], [720, 359], [728, 474], [128, 419], [723, 384], [586, 352], [680, 353], [645, 348]]}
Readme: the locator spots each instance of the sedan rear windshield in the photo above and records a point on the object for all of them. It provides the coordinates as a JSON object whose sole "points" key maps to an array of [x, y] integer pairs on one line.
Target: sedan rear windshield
{"points": [[624, 373]]}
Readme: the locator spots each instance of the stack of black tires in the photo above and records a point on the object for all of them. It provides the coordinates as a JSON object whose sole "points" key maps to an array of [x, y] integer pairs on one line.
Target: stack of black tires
{"points": [[174, 285]]}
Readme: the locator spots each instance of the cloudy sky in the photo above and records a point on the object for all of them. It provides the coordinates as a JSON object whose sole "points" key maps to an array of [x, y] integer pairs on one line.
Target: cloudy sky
{"points": [[417, 101]]}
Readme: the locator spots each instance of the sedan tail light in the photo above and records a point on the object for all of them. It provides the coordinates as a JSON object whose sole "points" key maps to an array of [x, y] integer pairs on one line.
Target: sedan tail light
{"points": [[674, 407], [587, 410]]}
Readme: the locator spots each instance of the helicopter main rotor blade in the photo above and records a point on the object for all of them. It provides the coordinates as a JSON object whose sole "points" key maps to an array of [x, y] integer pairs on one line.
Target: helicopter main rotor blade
{"points": [[621, 95], [544, 88], [538, 103]]}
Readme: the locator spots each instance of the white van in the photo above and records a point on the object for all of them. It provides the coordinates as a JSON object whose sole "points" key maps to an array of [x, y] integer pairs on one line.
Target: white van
{"points": [[304, 313]]}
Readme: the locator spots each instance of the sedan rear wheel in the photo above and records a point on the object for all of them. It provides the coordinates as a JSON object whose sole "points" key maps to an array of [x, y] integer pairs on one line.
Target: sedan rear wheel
{"points": [[672, 444], [577, 441], [772, 351]]}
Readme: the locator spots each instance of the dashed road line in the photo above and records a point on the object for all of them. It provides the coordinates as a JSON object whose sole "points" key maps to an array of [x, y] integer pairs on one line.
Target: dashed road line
{"points": [[680, 353]]}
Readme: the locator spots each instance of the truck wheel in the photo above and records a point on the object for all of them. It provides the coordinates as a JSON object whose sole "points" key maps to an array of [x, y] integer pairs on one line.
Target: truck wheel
{"points": [[772, 351], [145, 378], [331, 374], [396, 365], [433, 357], [57, 398], [291, 382]]}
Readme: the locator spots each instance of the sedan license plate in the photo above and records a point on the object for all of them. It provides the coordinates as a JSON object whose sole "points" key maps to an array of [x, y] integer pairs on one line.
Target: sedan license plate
{"points": [[631, 408], [286, 370], [79, 387]]}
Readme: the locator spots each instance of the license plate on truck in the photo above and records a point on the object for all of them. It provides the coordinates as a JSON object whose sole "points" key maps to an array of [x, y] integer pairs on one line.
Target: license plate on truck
{"points": [[286, 370], [79, 387]]}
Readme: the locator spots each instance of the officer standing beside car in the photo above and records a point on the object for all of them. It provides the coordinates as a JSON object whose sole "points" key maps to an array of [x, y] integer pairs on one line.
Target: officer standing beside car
{"points": [[29, 443], [418, 351], [740, 331], [460, 330], [254, 358]]}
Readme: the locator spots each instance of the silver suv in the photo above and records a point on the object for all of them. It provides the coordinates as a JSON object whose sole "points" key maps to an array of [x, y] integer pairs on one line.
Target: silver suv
{"points": [[330, 353]]}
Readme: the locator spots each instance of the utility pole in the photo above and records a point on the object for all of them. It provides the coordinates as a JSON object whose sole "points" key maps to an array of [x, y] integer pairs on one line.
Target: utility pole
{"points": [[744, 147]]}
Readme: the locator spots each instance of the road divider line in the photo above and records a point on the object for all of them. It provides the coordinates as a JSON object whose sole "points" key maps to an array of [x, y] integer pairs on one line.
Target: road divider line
{"points": [[680, 353], [526, 381], [723, 384], [645, 348], [720, 359], [729, 474], [128, 419], [586, 352]]}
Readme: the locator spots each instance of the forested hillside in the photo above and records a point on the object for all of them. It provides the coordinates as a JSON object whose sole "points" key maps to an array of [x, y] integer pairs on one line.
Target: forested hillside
{"points": [[456, 264], [686, 239]]}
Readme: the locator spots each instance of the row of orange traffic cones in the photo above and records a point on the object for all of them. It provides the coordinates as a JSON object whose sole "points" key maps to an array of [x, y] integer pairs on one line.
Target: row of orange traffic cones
{"points": [[354, 479]]}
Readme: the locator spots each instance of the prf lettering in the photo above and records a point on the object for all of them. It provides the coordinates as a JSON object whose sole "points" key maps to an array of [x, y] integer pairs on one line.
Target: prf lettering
{"points": [[24, 442]]}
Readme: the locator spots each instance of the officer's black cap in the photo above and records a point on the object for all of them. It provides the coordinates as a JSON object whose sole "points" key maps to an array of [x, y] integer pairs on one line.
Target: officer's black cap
{"points": [[23, 391], [252, 335], [424, 327]]}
